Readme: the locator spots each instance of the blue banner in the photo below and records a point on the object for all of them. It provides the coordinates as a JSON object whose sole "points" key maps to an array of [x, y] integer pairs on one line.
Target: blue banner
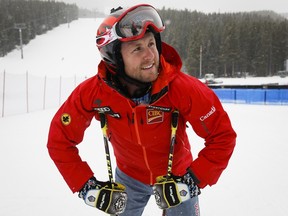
{"points": [[253, 96]]}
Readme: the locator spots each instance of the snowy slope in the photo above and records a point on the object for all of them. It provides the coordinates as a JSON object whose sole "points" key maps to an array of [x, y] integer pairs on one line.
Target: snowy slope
{"points": [[64, 51], [255, 182]]}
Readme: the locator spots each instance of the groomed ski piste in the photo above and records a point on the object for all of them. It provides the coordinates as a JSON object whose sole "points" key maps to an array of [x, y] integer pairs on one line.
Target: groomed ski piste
{"points": [[255, 182]]}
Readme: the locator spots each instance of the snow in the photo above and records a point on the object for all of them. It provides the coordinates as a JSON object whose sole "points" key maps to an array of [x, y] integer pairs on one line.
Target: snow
{"points": [[255, 182], [272, 80], [65, 50]]}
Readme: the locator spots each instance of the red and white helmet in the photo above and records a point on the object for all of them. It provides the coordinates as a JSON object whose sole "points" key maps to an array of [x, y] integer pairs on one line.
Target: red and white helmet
{"points": [[126, 25]]}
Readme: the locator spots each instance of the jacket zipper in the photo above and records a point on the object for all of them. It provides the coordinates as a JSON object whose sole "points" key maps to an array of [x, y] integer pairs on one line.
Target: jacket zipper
{"points": [[140, 143]]}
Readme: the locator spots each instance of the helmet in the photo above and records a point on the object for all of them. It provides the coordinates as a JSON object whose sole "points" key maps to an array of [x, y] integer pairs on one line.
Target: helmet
{"points": [[125, 25]]}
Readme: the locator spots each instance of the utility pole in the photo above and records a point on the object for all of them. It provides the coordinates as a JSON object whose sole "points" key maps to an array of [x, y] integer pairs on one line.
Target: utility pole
{"points": [[20, 26], [200, 69]]}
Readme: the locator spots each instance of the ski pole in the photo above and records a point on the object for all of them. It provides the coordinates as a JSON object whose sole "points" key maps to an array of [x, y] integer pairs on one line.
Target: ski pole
{"points": [[104, 128], [174, 126]]}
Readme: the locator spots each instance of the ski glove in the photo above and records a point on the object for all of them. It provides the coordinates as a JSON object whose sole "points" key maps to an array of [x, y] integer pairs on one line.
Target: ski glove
{"points": [[106, 196], [173, 190]]}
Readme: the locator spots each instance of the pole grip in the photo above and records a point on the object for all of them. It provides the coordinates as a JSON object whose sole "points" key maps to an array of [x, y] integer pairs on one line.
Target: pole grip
{"points": [[174, 122], [102, 119]]}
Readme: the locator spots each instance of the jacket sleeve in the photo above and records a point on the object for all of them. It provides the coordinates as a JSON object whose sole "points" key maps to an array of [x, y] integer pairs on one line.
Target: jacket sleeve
{"points": [[66, 131], [209, 120]]}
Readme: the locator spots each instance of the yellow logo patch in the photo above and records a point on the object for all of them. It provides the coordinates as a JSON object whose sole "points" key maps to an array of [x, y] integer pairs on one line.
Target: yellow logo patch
{"points": [[65, 119], [154, 116]]}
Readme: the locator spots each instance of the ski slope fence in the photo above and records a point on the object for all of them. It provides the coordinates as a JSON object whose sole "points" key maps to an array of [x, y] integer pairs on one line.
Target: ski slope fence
{"points": [[24, 93], [253, 96]]}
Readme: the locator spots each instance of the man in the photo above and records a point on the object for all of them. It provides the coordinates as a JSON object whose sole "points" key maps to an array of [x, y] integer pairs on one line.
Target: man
{"points": [[144, 102]]}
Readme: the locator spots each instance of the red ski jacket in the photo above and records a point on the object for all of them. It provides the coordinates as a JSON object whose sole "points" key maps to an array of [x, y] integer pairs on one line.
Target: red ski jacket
{"points": [[140, 134]]}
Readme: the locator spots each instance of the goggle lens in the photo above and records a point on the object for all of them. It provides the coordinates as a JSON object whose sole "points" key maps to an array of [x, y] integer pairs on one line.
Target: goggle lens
{"points": [[134, 24]]}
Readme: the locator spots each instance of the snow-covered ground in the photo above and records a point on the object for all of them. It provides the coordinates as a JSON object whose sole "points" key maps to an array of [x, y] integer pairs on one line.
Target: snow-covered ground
{"points": [[255, 182], [272, 80]]}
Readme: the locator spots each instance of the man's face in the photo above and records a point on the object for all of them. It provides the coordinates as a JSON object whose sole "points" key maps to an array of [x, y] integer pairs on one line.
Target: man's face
{"points": [[141, 58]]}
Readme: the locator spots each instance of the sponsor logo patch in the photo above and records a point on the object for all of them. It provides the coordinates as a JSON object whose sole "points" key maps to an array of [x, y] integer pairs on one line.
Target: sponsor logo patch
{"points": [[154, 116], [107, 110], [164, 109], [65, 119], [183, 193], [91, 199]]}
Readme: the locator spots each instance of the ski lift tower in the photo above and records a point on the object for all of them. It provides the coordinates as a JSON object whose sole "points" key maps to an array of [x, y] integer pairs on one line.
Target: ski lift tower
{"points": [[20, 26]]}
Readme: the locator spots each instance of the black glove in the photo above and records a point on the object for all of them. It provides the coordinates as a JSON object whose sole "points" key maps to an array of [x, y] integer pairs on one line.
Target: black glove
{"points": [[106, 196], [171, 191]]}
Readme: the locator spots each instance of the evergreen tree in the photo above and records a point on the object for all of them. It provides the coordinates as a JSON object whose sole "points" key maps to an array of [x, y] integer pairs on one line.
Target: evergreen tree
{"points": [[231, 43]]}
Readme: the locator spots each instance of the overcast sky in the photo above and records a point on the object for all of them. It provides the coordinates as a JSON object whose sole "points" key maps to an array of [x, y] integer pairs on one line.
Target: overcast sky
{"points": [[206, 6]]}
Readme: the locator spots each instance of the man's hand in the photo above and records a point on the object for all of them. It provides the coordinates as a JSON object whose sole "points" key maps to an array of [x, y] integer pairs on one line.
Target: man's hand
{"points": [[171, 191], [106, 196]]}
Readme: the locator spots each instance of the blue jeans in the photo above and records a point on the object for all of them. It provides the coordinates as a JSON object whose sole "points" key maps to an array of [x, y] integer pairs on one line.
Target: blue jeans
{"points": [[139, 194]]}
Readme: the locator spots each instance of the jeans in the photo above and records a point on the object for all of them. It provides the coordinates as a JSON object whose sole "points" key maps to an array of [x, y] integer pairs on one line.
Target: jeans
{"points": [[139, 194]]}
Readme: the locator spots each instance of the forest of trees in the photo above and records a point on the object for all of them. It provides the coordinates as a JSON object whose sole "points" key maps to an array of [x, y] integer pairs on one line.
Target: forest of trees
{"points": [[33, 17], [231, 43]]}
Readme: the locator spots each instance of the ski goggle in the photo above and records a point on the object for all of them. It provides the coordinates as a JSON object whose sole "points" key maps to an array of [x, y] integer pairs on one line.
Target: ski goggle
{"points": [[132, 25]]}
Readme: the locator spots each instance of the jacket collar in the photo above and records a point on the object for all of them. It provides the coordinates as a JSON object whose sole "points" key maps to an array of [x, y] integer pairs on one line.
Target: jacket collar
{"points": [[170, 66]]}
